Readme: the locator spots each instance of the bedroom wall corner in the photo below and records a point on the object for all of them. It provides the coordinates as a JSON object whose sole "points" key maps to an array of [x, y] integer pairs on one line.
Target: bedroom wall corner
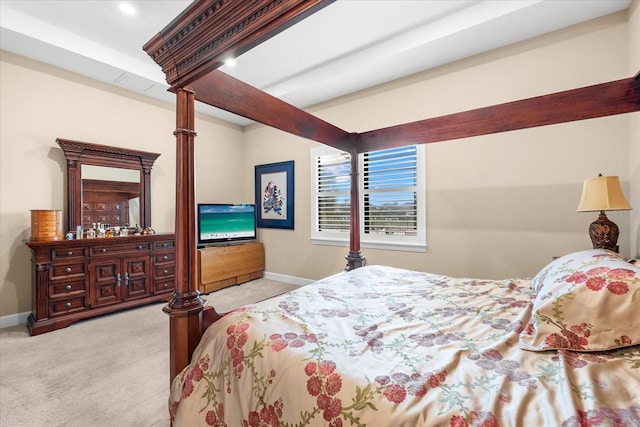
{"points": [[634, 130]]}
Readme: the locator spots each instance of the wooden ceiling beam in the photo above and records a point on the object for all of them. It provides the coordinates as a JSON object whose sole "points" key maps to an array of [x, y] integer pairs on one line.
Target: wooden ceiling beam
{"points": [[616, 97], [228, 93], [208, 32]]}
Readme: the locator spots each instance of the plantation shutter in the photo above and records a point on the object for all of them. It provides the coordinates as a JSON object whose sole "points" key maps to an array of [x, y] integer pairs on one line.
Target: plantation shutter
{"points": [[333, 194], [389, 190]]}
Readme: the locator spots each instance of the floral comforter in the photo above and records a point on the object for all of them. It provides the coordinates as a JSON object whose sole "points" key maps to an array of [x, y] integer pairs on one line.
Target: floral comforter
{"points": [[381, 346]]}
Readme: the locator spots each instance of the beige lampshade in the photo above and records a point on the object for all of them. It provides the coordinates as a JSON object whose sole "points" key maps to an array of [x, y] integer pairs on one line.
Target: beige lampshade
{"points": [[602, 194]]}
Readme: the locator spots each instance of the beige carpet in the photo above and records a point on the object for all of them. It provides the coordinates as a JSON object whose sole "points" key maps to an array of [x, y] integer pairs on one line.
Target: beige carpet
{"points": [[107, 371]]}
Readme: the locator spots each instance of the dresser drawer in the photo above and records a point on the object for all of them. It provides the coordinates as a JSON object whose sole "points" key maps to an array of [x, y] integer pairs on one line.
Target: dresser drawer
{"points": [[66, 288], [108, 250], [161, 272], [64, 270], [164, 258], [65, 306], [68, 253], [166, 244], [161, 286]]}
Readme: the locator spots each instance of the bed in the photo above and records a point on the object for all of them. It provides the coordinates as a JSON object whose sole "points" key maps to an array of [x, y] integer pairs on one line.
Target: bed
{"points": [[385, 346], [190, 50]]}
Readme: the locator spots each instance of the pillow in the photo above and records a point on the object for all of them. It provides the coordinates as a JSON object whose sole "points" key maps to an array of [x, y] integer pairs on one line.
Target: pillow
{"points": [[567, 264], [586, 301]]}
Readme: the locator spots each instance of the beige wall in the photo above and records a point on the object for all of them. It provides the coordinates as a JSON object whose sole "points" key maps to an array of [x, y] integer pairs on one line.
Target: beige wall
{"points": [[497, 206], [38, 104], [634, 130]]}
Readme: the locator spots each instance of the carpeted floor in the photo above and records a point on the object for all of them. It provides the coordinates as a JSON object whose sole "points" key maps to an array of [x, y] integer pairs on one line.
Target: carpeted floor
{"points": [[112, 370]]}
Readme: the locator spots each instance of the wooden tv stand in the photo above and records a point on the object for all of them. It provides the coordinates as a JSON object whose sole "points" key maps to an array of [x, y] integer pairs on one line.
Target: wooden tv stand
{"points": [[222, 266]]}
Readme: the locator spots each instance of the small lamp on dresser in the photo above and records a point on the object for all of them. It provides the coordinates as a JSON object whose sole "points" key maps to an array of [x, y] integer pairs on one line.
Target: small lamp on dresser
{"points": [[603, 194]]}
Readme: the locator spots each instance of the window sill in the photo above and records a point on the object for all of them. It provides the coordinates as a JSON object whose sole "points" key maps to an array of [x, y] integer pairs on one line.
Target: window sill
{"points": [[389, 246]]}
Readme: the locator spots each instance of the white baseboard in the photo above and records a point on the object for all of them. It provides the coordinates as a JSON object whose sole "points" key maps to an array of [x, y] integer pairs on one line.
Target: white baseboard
{"points": [[14, 319], [287, 279], [21, 318]]}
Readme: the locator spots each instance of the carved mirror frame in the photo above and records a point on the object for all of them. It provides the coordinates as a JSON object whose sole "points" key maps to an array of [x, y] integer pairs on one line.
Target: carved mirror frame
{"points": [[78, 153]]}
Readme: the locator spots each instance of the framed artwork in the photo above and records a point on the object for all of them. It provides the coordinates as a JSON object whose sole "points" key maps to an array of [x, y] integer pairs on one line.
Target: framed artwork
{"points": [[275, 195]]}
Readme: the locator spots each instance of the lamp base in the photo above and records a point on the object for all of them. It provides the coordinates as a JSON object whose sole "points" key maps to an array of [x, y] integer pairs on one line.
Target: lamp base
{"points": [[604, 233]]}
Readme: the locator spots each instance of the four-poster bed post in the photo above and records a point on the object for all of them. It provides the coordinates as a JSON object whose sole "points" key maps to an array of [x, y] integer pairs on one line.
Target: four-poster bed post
{"points": [[196, 43], [185, 307], [355, 258]]}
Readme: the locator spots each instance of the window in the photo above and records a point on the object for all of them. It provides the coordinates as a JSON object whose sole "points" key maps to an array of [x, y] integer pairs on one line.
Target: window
{"points": [[392, 201]]}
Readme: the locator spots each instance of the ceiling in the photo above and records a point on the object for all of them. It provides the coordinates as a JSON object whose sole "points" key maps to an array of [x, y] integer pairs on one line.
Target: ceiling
{"points": [[348, 46]]}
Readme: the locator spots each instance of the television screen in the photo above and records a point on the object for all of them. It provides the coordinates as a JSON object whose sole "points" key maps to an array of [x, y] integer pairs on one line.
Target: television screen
{"points": [[218, 223]]}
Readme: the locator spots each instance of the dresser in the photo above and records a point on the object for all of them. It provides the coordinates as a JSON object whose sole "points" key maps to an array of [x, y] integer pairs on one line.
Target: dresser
{"points": [[78, 279]]}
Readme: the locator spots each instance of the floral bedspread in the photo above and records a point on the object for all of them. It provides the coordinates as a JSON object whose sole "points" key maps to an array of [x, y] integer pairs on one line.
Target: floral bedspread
{"points": [[381, 346]]}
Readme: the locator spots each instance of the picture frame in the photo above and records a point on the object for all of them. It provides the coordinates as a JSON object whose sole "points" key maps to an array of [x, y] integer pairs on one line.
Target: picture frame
{"points": [[274, 186]]}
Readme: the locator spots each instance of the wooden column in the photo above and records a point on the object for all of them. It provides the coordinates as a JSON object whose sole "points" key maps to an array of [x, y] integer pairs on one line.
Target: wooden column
{"points": [[74, 192], [186, 306], [40, 304], [355, 258], [145, 193]]}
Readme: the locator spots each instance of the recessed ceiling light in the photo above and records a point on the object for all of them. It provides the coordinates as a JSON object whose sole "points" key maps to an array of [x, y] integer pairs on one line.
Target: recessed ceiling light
{"points": [[127, 9], [230, 62]]}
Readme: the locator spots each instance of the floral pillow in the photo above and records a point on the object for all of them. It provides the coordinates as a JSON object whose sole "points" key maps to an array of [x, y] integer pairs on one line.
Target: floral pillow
{"points": [[586, 301]]}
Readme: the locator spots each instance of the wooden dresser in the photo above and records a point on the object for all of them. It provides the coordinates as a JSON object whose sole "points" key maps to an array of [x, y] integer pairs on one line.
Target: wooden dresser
{"points": [[78, 279]]}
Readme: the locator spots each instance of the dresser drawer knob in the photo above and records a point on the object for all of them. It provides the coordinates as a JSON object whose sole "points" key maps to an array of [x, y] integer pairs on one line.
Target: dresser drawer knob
{"points": [[103, 250], [165, 271], [140, 247], [68, 305], [68, 287], [68, 269], [69, 253], [166, 257], [166, 285]]}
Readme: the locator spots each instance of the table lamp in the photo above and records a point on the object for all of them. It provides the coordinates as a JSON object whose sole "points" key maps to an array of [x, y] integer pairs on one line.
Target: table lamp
{"points": [[603, 194]]}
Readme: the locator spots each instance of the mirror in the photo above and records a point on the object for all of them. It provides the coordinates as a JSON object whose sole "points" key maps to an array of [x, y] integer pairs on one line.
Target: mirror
{"points": [[107, 184], [110, 196]]}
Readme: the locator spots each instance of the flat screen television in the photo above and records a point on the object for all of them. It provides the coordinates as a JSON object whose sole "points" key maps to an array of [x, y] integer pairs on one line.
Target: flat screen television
{"points": [[225, 223]]}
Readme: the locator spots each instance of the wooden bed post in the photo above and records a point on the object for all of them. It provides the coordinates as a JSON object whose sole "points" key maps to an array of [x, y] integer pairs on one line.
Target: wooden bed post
{"points": [[355, 258], [186, 306]]}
